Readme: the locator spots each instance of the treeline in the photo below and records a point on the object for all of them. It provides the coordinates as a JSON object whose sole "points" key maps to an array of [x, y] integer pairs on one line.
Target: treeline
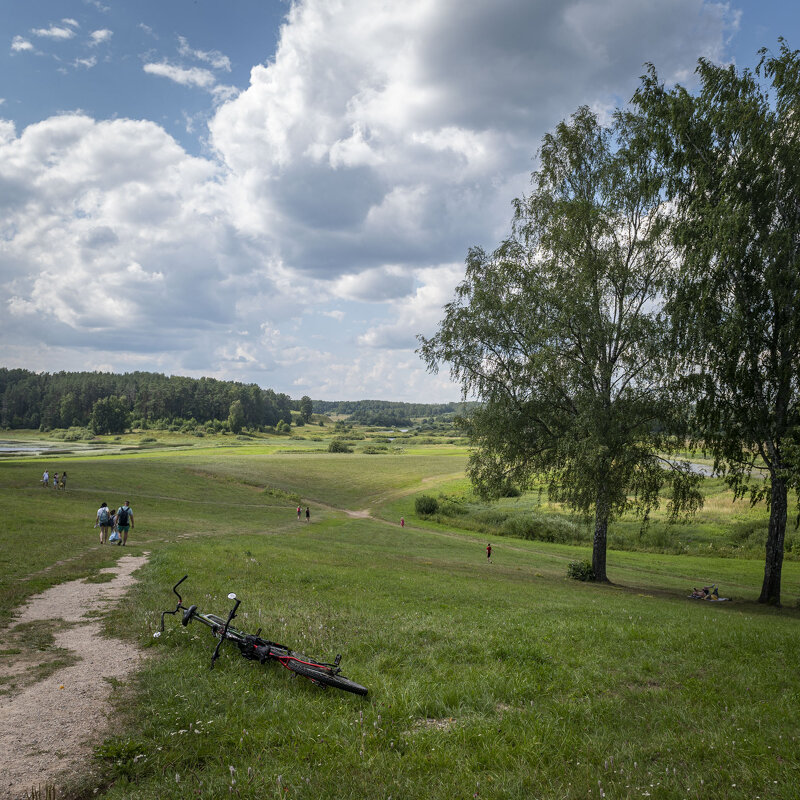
{"points": [[68, 399], [387, 412]]}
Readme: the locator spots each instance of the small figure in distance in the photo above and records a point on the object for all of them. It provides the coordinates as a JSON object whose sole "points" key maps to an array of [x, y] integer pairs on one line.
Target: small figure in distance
{"points": [[299, 511], [104, 521], [489, 553], [308, 515], [64, 480], [124, 521], [55, 481], [402, 522], [46, 479]]}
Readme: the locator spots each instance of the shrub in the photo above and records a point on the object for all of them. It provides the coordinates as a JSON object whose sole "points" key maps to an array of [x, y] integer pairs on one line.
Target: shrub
{"points": [[339, 446], [374, 450], [426, 505], [580, 570]]}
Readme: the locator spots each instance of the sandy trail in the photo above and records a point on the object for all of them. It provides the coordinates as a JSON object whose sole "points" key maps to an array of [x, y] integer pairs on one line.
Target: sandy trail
{"points": [[46, 731]]}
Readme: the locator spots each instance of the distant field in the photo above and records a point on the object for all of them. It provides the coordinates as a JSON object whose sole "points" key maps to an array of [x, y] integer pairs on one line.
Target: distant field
{"points": [[492, 681]]}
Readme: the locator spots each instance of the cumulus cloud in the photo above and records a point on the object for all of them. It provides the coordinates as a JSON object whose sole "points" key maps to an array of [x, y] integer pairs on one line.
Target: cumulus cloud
{"points": [[100, 36], [55, 32], [121, 236], [20, 45], [86, 62], [385, 135], [364, 158]]}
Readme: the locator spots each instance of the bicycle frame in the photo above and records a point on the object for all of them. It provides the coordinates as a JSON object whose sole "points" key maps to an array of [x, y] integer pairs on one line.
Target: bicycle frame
{"points": [[252, 646]]}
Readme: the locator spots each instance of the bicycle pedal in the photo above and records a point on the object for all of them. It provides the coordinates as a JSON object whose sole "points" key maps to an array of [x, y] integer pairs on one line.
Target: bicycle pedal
{"points": [[337, 659]]}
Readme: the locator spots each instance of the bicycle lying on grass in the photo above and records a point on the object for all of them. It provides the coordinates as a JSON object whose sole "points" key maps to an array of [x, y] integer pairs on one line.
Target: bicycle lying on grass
{"points": [[253, 647]]}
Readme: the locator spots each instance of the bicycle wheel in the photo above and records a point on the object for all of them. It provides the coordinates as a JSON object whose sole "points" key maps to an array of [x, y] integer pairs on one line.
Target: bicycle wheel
{"points": [[323, 675]]}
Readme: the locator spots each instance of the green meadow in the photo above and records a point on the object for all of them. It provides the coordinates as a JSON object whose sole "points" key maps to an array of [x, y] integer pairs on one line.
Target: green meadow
{"points": [[487, 680]]}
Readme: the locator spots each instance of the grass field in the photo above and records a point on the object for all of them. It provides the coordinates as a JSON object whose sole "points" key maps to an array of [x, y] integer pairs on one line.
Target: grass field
{"points": [[502, 680]]}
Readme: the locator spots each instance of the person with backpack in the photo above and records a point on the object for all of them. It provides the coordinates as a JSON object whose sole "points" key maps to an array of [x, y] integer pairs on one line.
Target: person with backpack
{"points": [[103, 521], [124, 521]]}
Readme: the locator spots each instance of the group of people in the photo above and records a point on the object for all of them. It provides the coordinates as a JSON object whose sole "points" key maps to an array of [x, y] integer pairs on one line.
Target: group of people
{"points": [[59, 482], [300, 512], [114, 525]]}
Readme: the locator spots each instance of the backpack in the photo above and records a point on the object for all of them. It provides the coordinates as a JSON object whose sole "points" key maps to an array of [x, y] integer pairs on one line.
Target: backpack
{"points": [[103, 516], [122, 516]]}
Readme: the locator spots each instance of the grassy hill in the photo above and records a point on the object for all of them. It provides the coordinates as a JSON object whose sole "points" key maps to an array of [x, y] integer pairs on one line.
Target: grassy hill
{"points": [[501, 680]]}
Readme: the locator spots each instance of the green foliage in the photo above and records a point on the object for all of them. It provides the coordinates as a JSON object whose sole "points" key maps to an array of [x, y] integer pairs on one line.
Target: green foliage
{"points": [[236, 417], [110, 415], [339, 446], [558, 333], [425, 505], [580, 570], [306, 408], [732, 157]]}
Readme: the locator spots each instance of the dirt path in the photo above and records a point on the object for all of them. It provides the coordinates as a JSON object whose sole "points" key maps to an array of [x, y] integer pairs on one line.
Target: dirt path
{"points": [[48, 729]]}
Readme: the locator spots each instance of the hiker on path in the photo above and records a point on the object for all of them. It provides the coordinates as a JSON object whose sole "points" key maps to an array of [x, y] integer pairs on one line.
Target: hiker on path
{"points": [[308, 515], [124, 521], [489, 552], [402, 522], [103, 521], [64, 480], [299, 510], [55, 481], [45, 479]]}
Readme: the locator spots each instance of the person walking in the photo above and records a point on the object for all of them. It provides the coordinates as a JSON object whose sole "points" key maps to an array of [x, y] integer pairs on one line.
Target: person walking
{"points": [[124, 521], [489, 553], [308, 515], [299, 510], [402, 522], [103, 521], [64, 480], [46, 479], [55, 481]]}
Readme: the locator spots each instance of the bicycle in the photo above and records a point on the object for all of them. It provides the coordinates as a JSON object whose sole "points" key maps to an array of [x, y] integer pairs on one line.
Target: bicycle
{"points": [[254, 648]]}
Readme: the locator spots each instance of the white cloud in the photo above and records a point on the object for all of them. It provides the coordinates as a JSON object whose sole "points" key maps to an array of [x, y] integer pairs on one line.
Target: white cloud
{"points": [[216, 59], [100, 36], [193, 76], [86, 62], [54, 32], [19, 45], [397, 135], [196, 77], [361, 162]]}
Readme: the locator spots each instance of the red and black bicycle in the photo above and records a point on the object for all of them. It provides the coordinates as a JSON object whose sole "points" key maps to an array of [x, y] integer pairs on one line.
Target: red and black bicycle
{"points": [[253, 647]]}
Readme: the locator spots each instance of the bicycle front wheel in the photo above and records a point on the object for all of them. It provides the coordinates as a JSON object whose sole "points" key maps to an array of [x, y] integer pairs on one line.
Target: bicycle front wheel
{"points": [[323, 675]]}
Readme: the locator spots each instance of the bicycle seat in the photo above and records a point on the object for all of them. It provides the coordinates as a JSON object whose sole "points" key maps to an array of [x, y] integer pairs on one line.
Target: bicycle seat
{"points": [[187, 615]]}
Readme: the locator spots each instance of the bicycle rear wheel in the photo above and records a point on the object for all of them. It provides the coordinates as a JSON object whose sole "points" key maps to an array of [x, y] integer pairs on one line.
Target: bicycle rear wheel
{"points": [[323, 675]]}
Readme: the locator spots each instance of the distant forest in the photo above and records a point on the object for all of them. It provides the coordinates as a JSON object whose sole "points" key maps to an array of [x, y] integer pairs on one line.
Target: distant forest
{"points": [[68, 399], [387, 412]]}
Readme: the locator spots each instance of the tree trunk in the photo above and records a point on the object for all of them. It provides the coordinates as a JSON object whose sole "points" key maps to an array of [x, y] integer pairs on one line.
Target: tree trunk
{"points": [[601, 514], [771, 588]]}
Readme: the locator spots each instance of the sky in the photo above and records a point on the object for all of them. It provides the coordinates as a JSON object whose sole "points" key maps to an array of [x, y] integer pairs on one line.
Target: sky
{"points": [[284, 193]]}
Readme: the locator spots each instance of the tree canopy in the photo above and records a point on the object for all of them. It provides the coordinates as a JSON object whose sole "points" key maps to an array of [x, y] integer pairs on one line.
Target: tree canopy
{"points": [[558, 332], [731, 152]]}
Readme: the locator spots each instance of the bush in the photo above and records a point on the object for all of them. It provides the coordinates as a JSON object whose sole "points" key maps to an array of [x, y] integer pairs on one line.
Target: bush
{"points": [[339, 446], [374, 450], [580, 571], [543, 528], [426, 505]]}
